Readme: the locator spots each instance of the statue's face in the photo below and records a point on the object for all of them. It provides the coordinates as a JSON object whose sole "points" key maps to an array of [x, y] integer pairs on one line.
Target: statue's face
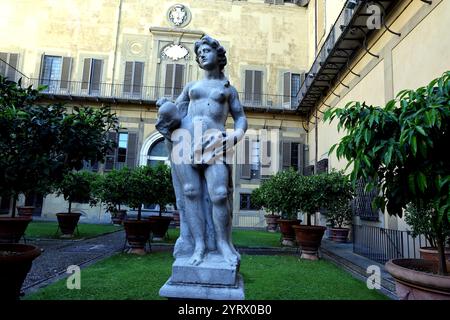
{"points": [[207, 57]]}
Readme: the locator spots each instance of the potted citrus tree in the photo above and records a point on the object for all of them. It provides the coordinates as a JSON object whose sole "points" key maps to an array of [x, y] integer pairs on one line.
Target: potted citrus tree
{"points": [[111, 190], [280, 194], [38, 145], [401, 146], [162, 185], [140, 186], [259, 196], [313, 192], [338, 206], [421, 222], [75, 187]]}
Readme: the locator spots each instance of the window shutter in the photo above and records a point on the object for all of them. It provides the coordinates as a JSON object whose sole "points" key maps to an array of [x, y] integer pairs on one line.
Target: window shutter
{"points": [[248, 85], [266, 152], [4, 57], [128, 77], [65, 72], [132, 149], [286, 154], [269, 1], [96, 75], [111, 154], [301, 155], [258, 86], [86, 74], [168, 80], [178, 83], [137, 77], [279, 1], [246, 166], [287, 87], [13, 59]]}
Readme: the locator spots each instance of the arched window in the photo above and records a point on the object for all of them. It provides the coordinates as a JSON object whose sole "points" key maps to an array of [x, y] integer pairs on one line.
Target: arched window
{"points": [[158, 153]]}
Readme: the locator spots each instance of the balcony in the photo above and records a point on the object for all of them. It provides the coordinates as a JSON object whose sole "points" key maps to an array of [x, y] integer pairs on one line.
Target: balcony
{"points": [[121, 93]]}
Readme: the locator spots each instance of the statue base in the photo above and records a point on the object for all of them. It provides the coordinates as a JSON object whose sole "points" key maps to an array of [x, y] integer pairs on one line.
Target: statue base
{"points": [[213, 279]]}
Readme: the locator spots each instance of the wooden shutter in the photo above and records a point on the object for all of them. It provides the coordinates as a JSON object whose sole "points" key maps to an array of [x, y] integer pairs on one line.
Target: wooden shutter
{"points": [[168, 82], [266, 152], [13, 59], [257, 87], [301, 157], [138, 77], [65, 72], [111, 154], [279, 1], [246, 166], [86, 74], [96, 75], [4, 57], [248, 86], [287, 88], [132, 149], [128, 77], [286, 154], [179, 77]]}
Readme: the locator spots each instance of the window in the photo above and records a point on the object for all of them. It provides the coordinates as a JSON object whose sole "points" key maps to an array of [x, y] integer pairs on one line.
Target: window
{"points": [[292, 155], [8, 65], [174, 80], [126, 152], [133, 78], [253, 87], [122, 148], [92, 75], [255, 162], [158, 153], [245, 202], [55, 72], [362, 203], [291, 86]]}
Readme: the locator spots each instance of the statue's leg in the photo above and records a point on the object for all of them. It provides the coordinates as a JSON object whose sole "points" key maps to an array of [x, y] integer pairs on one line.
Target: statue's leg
{"points": [[217, 180], [184, 243], [193, 210]]}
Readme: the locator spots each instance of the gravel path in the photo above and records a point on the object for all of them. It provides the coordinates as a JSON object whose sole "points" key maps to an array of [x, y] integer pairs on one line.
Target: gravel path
{"points": [[57, 255]]}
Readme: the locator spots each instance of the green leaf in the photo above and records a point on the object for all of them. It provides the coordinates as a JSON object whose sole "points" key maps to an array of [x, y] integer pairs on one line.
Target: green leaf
{"points": [[414, 145], [421, 181], [421, 131]]}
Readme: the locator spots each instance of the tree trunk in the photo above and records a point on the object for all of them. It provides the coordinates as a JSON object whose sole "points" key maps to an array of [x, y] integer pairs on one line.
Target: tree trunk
{"points": [[139, 213], [13, 213], [308, 219], [441, 250], [70, 206]]}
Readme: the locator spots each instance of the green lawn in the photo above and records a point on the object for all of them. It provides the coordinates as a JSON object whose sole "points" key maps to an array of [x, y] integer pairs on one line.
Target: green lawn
{"points": [[123, 277], [242, 238], [47, 230]]}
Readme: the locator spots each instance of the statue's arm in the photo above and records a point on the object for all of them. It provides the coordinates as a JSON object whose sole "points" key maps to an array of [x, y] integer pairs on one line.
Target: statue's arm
{"points": [[182, 102], [237, 112]]}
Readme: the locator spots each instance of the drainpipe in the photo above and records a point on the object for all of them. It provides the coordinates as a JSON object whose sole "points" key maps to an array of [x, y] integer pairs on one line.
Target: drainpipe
{"points": [[316, 144], [115, 46]]}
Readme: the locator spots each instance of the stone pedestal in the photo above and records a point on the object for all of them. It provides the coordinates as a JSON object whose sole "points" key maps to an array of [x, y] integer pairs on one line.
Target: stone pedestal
{"points": [[213, 279]]}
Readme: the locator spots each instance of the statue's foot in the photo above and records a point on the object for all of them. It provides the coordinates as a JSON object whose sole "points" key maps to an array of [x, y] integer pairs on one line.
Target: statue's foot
{"points": [[229, 256], [197, 257]]}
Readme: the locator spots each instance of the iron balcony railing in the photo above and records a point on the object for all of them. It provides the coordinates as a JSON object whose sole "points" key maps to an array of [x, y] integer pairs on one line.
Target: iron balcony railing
{"points": [[381, 245], [139, 94]]}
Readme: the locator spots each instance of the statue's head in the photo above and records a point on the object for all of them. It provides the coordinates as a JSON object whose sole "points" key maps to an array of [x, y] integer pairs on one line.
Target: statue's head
{"points": [[206, 40]]}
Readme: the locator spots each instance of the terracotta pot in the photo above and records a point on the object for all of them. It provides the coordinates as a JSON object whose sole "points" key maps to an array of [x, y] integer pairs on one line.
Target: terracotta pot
{"points": [[287, 232], [137, 234], [412, 284], [25, 211], [119, 216], [15, 263], [339, 234], [160, 225], [12, 229], [68, 222], [309, 239], [272, 222], [432, 254]]}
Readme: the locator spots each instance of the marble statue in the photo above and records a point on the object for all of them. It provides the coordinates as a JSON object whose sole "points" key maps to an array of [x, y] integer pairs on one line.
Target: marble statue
{"points": [[201, 176]]}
